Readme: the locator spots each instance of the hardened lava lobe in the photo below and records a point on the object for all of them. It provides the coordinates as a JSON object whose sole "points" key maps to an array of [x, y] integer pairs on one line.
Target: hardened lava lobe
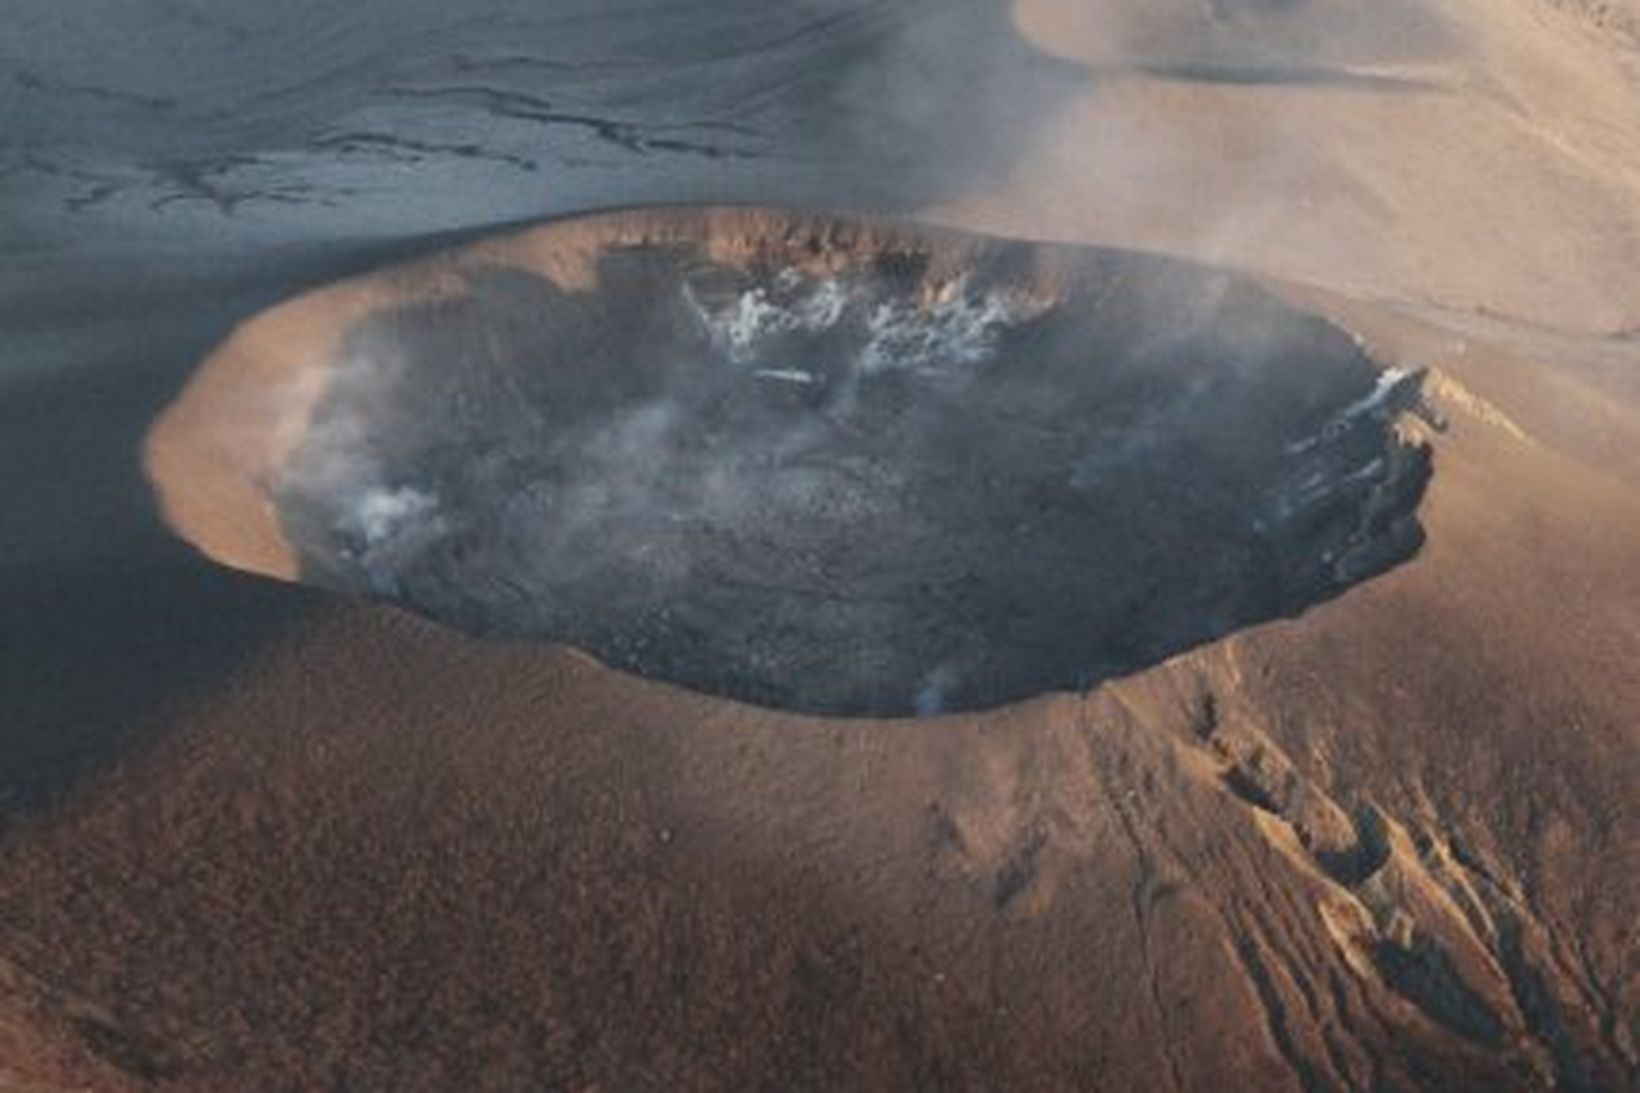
{"points": [[854, 469]]}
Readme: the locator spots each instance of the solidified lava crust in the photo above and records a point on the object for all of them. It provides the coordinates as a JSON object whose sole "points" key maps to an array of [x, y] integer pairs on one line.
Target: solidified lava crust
{"points": [[849, 470]]}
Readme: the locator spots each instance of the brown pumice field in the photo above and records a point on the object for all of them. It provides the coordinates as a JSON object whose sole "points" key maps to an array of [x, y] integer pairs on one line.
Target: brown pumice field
{"points": [[914, 546]]}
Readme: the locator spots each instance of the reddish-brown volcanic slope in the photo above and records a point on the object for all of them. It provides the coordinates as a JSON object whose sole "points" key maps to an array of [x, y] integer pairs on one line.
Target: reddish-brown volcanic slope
{"points": [[1388, 844]]}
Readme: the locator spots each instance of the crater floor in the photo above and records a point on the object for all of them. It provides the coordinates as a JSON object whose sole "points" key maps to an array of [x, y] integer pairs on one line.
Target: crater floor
{"points": [[853, 468]]}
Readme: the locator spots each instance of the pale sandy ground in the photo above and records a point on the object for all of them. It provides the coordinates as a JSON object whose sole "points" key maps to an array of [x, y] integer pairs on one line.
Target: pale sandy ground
{"points": [[310, 843]]}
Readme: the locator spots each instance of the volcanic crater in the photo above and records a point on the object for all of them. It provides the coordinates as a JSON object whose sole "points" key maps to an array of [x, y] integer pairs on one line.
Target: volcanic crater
{"points": [[845, 467]]}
